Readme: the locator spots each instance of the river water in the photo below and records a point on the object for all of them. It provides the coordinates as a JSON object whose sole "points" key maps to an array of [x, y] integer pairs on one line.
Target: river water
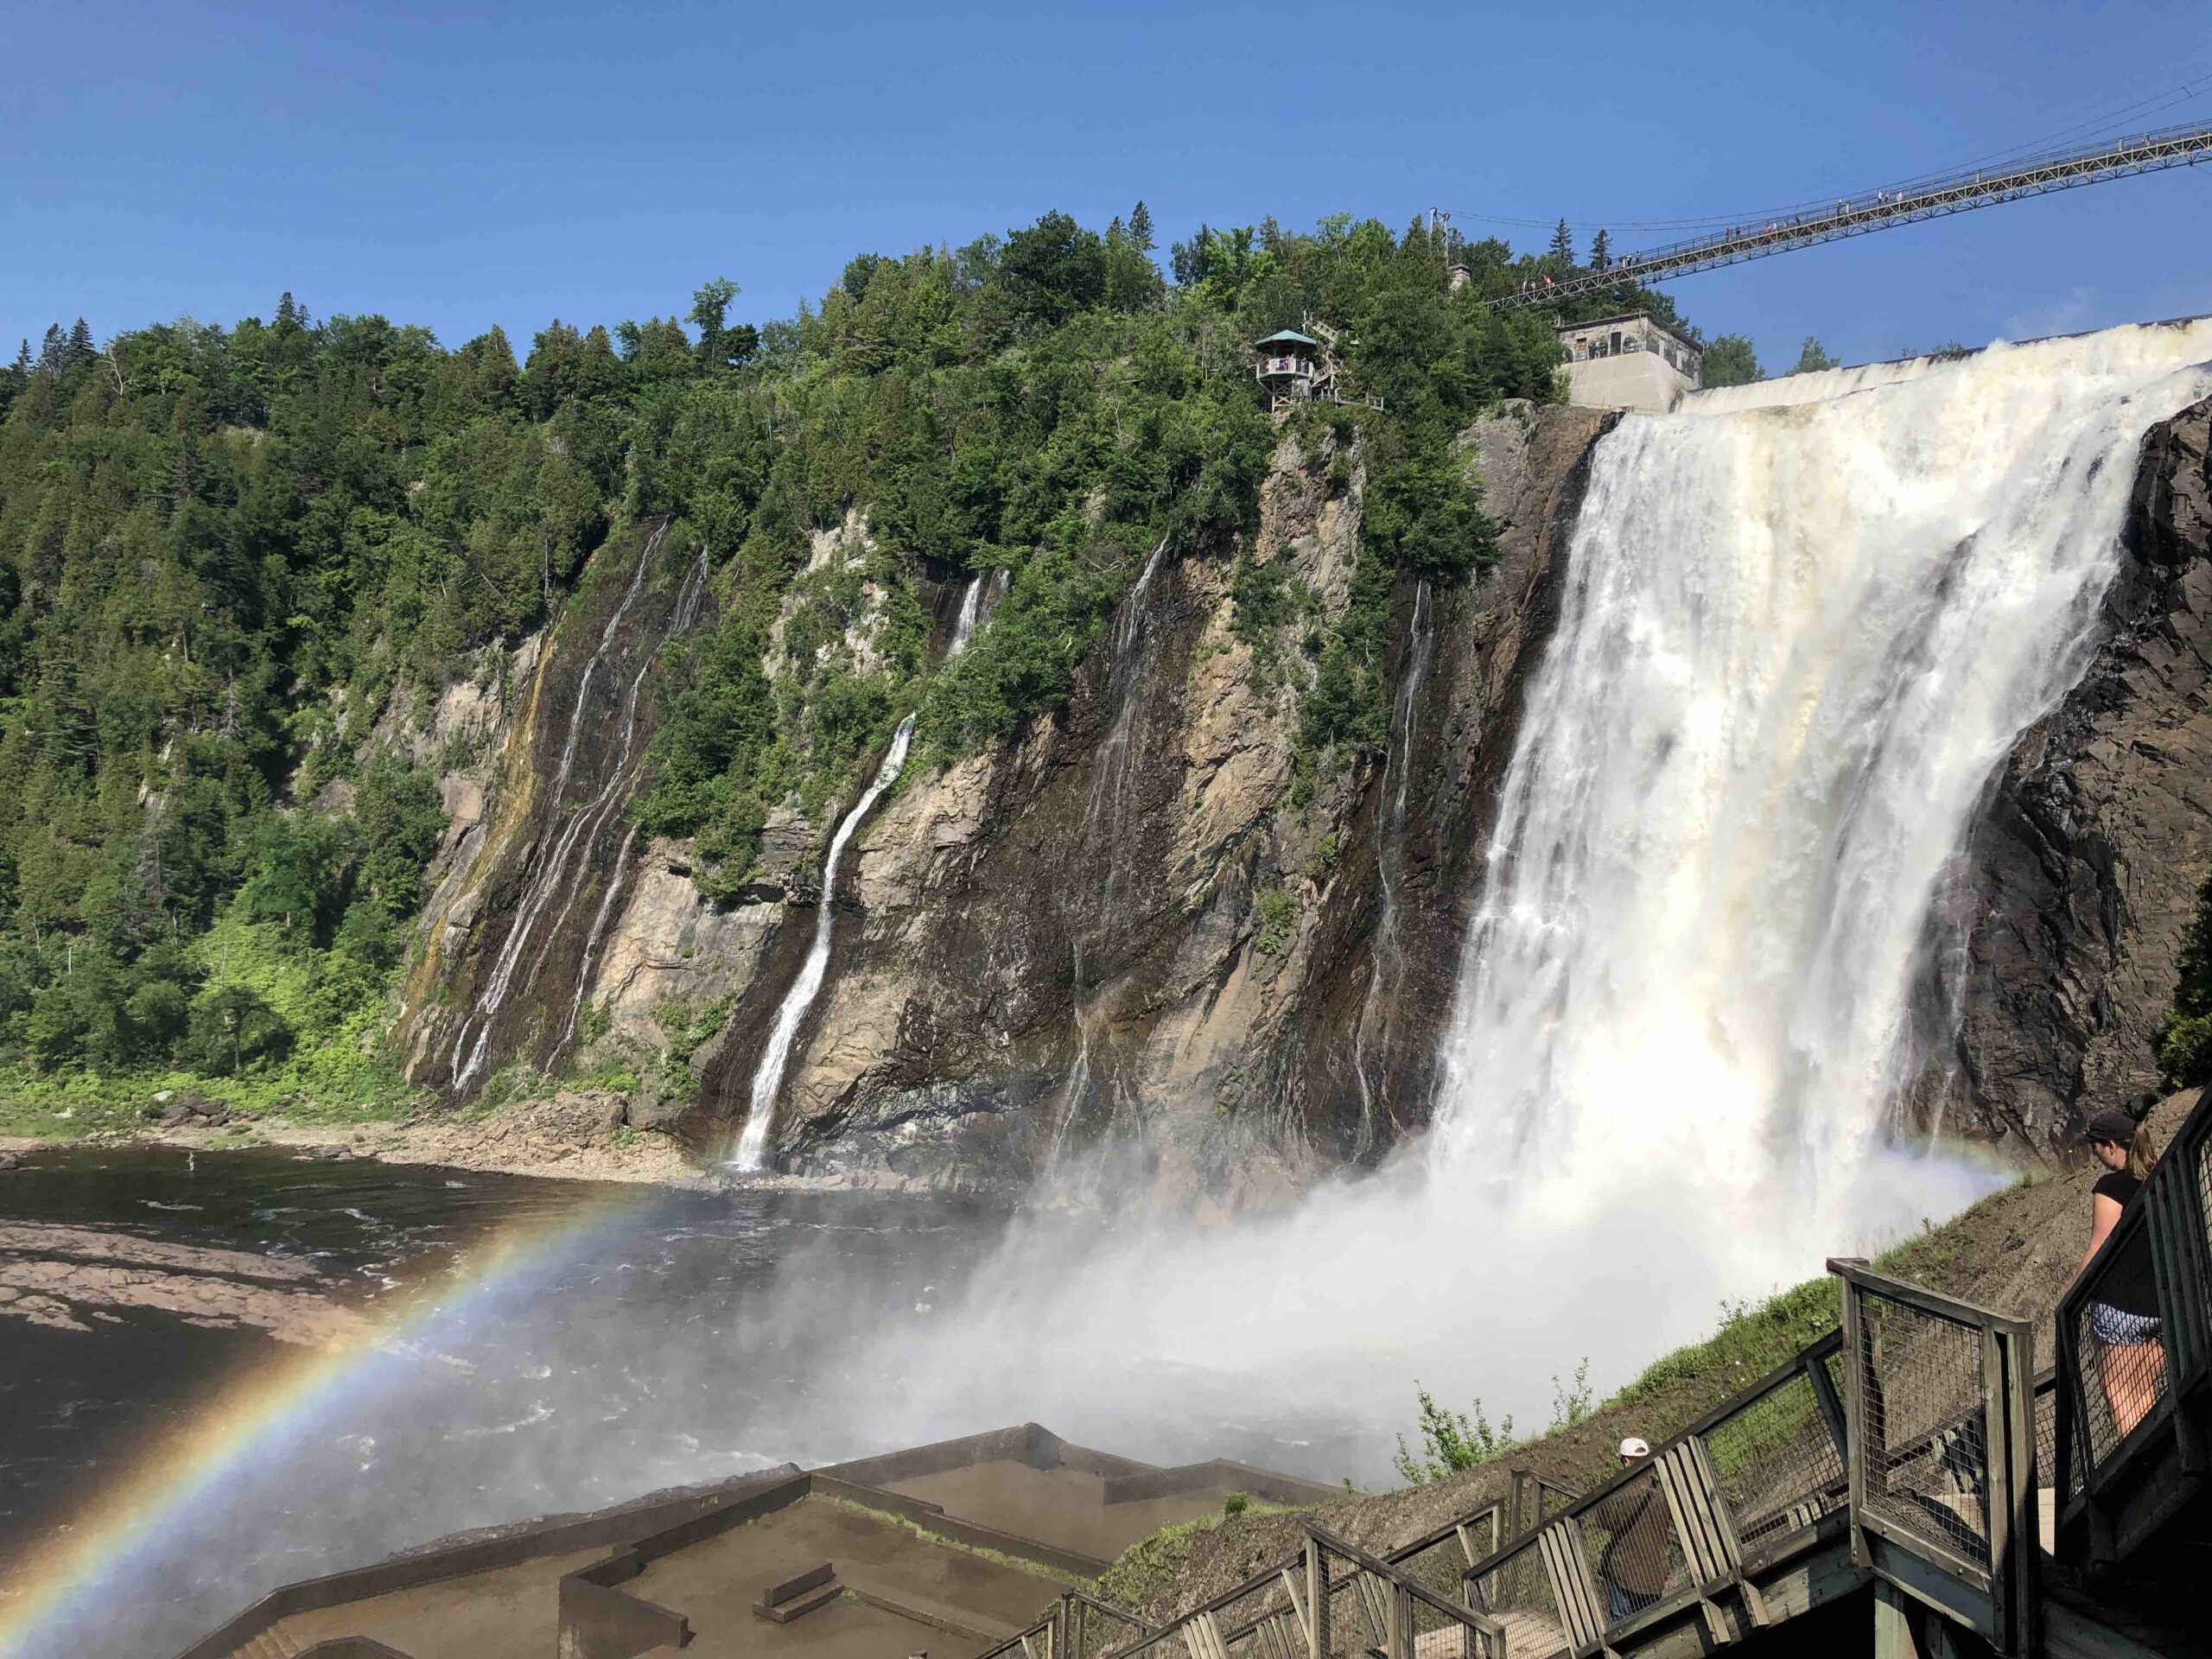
{"points": [[545, 1346]]}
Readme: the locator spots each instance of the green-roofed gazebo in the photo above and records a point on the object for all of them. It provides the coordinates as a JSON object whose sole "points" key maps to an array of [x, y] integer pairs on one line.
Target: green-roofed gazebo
{"points": [[1293, 367]]}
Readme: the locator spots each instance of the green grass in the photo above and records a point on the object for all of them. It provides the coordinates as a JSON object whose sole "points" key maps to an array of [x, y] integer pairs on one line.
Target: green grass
{"points": [[1150, 1565], [1020, 1564]]}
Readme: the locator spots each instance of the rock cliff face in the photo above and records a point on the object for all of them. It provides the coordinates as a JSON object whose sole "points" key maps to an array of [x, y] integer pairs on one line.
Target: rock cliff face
{"points": [[1134, 947], [1134, 926], [2057, 947]]}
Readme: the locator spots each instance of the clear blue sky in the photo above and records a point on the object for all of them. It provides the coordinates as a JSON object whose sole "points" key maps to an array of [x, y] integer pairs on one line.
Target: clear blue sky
{"points": [[520, 162]]}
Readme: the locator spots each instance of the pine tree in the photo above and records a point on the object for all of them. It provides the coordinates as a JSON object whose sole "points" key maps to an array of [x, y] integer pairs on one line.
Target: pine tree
{"points": [[82, 351], [1141, 228], [289, 313], [1562, 248], [54, 350], [1601, 252]]}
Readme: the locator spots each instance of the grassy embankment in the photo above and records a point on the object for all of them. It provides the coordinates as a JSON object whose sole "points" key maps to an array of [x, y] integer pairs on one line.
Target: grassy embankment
{"points": [[2014, 1252]]}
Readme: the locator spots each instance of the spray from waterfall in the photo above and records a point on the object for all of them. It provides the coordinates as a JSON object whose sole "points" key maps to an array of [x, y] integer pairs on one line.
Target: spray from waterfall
{"points": [[768, 1077]]}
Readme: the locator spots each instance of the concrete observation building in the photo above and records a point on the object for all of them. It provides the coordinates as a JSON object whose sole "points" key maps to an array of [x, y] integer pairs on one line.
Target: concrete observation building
{"points": [[1630, 361]]}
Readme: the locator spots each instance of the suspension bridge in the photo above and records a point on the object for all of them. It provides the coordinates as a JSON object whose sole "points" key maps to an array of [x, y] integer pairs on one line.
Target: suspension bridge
{"points": [[1931, 198]]}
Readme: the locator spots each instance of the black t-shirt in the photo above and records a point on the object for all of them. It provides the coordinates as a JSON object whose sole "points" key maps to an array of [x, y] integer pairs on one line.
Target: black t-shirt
{"points": [[2118, 1185], [2127, 1283]]}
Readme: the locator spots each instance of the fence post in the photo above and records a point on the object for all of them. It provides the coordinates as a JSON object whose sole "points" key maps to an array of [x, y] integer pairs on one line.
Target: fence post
{"points": [[1317, 1599], [1402, 1622], [1854, 1397]]}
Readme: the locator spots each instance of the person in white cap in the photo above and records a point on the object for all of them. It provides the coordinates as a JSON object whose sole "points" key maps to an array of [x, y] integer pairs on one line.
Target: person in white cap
{"points": [[1634, 1565]]}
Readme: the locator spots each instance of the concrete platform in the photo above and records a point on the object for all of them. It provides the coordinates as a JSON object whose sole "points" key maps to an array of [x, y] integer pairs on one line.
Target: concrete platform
{"points": [[1063, 1506], [949, 1547]]}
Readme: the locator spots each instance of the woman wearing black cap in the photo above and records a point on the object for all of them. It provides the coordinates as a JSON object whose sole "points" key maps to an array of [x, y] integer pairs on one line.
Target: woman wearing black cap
{"points": [[2130, 1356]]}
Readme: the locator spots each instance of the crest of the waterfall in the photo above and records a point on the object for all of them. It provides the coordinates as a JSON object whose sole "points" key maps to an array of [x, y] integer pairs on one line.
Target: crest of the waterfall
{"points": [[768, 1077], [1798, 636]]}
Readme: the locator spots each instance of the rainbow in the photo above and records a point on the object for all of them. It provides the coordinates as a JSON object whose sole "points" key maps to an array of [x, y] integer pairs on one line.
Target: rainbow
{"points": [[261, 1416]]}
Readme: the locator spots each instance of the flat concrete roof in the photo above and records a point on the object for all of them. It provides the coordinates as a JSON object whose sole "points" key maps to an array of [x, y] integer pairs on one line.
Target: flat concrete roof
{"points": [[951, 1548], [1064, 1507], [716, 1581], [506, 1613]]}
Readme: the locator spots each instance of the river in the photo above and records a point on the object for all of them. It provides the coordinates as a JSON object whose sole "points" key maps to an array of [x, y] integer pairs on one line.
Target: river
{"points": [[541, 1345]]}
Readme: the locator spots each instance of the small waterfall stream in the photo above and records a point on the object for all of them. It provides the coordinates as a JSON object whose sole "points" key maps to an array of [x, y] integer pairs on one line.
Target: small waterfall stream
{"points": [[1106, 803], [984, 590], [1389, 955], [768, 1077], [547, 880]]}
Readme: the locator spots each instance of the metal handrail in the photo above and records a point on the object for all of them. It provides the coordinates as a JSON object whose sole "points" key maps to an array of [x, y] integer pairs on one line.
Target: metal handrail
{"points": [[1931, 198], [1715, 1559], [1049, 1636], [1990, 1553]]}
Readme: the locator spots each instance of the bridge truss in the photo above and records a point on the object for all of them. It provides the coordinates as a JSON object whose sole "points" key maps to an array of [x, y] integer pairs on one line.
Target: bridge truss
{"points": [[1933, 198]]}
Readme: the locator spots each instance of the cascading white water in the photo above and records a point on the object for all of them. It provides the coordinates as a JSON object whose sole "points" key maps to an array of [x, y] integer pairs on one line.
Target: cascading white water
{"points": [[768, 1077], [1804, 622], [963, 625], [1795, 643], [468, 1060]]}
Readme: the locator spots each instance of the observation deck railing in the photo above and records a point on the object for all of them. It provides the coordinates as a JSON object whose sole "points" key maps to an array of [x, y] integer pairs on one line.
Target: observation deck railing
{"points": [[2137, 1386], [1940, 1400], [1076, 1626], [1685, 1535]]}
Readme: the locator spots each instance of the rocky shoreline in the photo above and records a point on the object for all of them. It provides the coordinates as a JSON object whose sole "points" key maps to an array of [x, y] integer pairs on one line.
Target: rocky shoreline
{"points": [[570, 1136]]}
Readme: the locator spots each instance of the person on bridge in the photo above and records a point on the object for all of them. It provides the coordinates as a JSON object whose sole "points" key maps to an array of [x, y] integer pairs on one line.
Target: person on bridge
{"points": [[1634, 1565], [2124, 1320]]}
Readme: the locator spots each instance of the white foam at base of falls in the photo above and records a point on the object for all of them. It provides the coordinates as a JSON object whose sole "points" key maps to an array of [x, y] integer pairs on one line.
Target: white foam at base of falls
{"points": [[768, 1077]]}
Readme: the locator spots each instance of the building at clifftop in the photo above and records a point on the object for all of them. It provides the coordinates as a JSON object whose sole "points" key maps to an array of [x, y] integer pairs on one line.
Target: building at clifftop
{"points": [[1630, 361]]}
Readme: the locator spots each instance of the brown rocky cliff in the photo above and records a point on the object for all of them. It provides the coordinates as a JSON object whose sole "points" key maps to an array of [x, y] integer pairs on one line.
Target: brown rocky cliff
{"points": [[1134, 926], [2057, 947]]}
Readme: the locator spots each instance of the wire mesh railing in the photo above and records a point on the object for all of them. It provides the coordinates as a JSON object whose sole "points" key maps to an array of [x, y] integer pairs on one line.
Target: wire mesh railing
{"points": [[1921, 1415], [1742, 1490], [1777, 1459], [1941, 1453], [1076, 1626], [1332, 1601]]}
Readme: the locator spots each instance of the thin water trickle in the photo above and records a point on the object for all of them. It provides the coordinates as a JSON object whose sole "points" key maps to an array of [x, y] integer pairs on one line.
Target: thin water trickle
{"points": [[551, 871], [768, 1077]]}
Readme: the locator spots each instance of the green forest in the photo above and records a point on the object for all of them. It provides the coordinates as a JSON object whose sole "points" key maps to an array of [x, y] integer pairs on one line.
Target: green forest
{"points": [[233, 559]]}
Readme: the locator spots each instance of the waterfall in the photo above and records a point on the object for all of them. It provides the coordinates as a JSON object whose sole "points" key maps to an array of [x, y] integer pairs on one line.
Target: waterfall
{"points": [[1108, 796], [1388, 951], [1804, 622], [963, 626], [753, 1145], [550, 872]]}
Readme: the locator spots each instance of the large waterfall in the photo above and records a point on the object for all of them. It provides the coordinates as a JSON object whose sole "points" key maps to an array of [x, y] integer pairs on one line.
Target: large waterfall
{"points": [[1804, 622]]}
